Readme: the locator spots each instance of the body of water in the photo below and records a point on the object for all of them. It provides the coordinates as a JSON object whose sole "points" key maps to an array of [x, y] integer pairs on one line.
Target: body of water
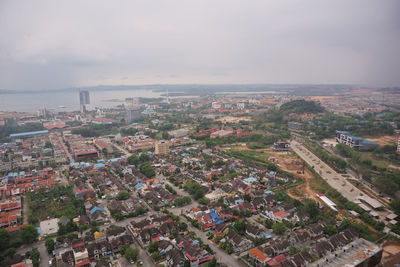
{"points": [[31, 102]]}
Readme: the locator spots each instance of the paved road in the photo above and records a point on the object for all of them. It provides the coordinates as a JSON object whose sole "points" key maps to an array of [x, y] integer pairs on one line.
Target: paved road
{"points": [[44, 256], [334, 179], [220, 254]]}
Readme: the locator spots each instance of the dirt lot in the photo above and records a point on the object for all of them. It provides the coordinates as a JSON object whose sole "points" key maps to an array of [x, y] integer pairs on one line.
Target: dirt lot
{"points": [[385, 140], [290, 163]]}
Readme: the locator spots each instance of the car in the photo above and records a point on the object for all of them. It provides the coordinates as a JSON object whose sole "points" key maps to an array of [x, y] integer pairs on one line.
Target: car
{"points": [[141, 262]]}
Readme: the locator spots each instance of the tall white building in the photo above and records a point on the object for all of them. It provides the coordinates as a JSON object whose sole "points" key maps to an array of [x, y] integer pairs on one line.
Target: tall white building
{"points": [[84, 100], [398, 146]]}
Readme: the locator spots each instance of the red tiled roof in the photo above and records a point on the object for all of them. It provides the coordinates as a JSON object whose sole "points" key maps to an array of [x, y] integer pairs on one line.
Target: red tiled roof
{"points": [[83, 263], [257, 253]]}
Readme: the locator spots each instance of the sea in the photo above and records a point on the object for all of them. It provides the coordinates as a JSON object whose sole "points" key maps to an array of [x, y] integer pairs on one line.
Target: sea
{"points": [[69, 100]]}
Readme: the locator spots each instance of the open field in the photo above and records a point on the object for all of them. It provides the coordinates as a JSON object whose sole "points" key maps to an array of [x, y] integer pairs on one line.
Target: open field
{"points": [[385, 140], [292, 164]]}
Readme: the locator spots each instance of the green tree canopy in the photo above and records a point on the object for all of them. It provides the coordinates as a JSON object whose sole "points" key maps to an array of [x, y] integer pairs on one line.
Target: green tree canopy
{"points": [[28, 234]]}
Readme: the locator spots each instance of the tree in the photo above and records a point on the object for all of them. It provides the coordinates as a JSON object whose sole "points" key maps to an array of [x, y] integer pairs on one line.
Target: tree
{"points": [[28, 234], [240, 227], [133, 160], [183, 226], [147, 170], [312, 208], [153, 247], [279, 228], [330, 230], [122, 195], [212, 263], [395, 204], [5, 237], [49, 245], [131, 254], [34, 255]]}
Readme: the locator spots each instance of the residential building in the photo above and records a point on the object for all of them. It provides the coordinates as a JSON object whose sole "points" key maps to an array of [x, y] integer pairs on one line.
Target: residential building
{"points": [[162, 147]]}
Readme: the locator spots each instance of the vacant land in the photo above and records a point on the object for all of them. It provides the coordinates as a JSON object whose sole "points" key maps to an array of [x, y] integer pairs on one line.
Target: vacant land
{"points": [[53, 203], [385, 140]]}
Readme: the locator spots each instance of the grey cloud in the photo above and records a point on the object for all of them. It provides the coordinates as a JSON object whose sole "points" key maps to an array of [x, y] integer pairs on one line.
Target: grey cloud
{"points": [[58, 44]]}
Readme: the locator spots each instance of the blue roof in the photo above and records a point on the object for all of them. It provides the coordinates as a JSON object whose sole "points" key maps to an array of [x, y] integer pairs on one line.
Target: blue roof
{"points": [[213, 215], [218, 221], [369, 142], [100, 208], [343, 132], [28, 133], [250, 180]]}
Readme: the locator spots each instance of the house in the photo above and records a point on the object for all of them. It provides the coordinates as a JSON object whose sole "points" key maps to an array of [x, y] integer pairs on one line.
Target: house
{"points": [[254, 231], [175, 258], [298, 237], [84, 219], [239, 244], [98, 250], [164, 246], [195, 254], [258, 257], [302, 258], [98, 216]]}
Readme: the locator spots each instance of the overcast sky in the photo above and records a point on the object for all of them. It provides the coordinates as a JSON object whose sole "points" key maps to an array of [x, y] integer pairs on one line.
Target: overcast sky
{"points": [[60, 44]]}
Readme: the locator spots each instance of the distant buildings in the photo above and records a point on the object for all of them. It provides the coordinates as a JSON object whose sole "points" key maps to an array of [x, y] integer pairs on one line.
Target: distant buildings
{"points": [[179, 132], [161, 147], [84, 100], [344, 137]]}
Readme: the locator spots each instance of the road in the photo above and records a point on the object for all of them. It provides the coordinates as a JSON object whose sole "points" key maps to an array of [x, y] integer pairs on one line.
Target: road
{"points": [[334, 179], [370, 188], [126, 152], [44, 256], [220, 254]]}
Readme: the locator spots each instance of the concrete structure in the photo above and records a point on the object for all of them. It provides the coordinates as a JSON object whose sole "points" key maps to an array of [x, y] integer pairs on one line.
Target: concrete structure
{"points": [[360, 253], [294, 125], [281, 146], [161, 147], [375, 204], [344, 137], [49, 227]]}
